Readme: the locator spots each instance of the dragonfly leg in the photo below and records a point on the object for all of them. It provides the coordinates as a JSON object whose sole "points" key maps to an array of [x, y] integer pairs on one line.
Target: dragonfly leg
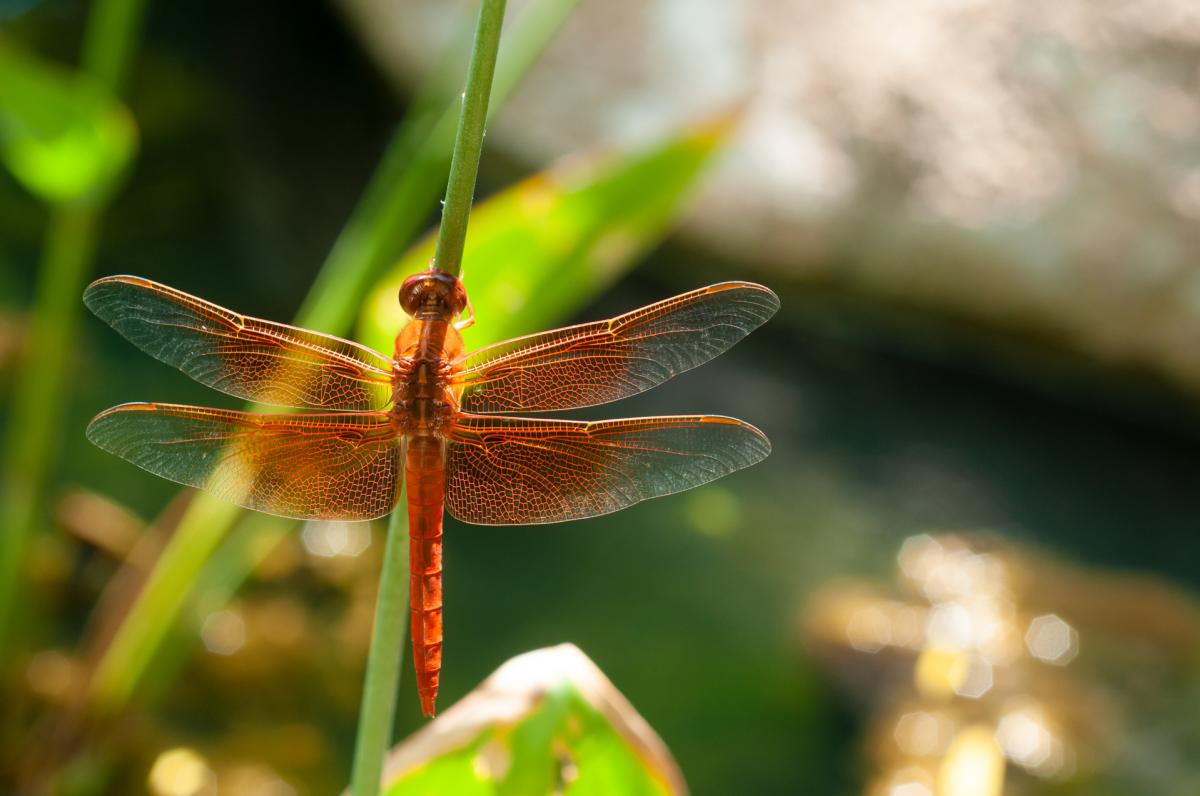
{"points": [[467, 322]]}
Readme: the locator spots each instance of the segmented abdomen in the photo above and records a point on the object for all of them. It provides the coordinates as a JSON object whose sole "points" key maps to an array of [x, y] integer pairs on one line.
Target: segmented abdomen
{"points": [[425, 478]]}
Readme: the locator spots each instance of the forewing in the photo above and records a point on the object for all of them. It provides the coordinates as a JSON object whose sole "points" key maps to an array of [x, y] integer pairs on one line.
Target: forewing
{"points": [[332, 466], [522, 471], [595, 363], [246, 357]]}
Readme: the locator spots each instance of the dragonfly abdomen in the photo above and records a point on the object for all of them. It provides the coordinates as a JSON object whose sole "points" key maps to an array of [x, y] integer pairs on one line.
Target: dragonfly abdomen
{"points": [[425, 478]]}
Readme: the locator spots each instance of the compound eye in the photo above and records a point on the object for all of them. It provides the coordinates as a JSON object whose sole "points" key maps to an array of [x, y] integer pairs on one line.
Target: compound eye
{"points": [[432, 290], [410, 293]]}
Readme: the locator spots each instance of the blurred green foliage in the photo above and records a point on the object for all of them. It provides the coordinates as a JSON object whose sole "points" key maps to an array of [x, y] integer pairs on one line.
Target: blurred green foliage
{"points": [[62, 134], [48, 115]]}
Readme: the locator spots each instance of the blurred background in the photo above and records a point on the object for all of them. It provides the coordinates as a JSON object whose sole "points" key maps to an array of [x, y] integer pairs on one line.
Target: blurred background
{"points": [[968, 567]]}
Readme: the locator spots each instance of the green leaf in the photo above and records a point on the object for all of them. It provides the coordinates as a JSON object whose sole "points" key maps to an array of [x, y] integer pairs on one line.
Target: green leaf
{"points": [[62, 135], [538, 251], [545, 722]]}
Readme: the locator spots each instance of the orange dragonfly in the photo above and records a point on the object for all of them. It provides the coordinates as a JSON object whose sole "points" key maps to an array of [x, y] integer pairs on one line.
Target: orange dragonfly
{"points": [[429, 413]]}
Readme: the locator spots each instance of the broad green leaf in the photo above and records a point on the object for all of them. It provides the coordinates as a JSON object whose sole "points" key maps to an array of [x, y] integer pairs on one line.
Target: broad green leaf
{"points": [[537, 251], [61, 134], [546, 722]]}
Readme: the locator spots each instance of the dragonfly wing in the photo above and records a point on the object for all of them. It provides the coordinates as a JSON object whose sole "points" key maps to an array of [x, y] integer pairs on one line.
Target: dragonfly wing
{"points": [[522, 471], [595, 363], [332, 466], [246, 357]]}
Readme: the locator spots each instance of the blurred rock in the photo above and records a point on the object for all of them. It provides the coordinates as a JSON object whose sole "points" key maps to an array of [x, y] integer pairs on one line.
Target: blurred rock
{"points": [[1032, 168]]}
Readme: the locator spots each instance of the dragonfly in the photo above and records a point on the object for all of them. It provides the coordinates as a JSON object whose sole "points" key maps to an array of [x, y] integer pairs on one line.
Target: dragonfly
{"points": [[432, 421]]}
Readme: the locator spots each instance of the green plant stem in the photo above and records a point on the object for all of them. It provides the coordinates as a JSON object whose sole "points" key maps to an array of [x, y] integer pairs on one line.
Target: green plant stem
{"points": [[468, 142], [203, 526], [378, 712], [41, 395], [109, 41]]}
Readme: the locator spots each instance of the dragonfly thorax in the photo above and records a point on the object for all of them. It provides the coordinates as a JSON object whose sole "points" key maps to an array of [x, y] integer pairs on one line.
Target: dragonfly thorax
{"points": [[424, 396], [423, 400]]}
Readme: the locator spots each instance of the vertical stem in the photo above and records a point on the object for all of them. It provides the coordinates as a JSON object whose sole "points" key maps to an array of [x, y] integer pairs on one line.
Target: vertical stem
{"points": [[40, 395], [391, 610], [160, 599], [378, 711], [109, 40], [468, 143], [108, 43]]}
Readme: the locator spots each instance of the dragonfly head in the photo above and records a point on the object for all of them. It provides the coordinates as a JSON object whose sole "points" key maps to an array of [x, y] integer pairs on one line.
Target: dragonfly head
{"points": [[433, 292]]}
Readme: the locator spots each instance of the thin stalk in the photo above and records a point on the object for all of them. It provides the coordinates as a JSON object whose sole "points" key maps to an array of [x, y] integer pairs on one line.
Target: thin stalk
{"points": [[40, 395], [378, 711], [109, 42], [203, 526], [468, 142], [108, 45]]}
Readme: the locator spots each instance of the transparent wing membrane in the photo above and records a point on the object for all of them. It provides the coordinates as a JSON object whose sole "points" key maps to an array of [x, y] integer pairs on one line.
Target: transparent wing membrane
{"points": [[518, 471], [595, 363], [320, 466], [245, 357]]}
